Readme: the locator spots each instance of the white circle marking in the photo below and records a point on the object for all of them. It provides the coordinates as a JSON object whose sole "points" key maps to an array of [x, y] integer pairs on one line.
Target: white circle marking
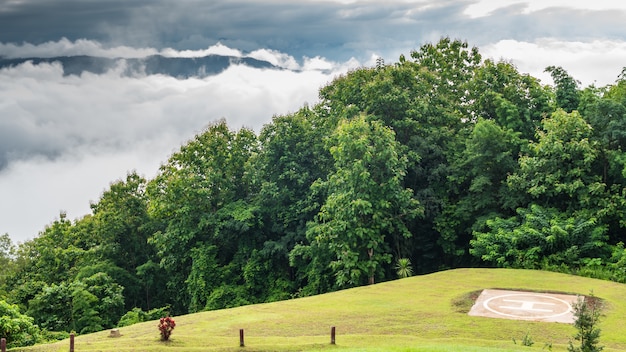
{"points": [[486, 305]]}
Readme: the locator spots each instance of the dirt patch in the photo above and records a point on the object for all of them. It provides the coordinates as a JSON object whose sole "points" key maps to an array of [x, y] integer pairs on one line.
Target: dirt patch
{"points": [[464, 303], [524, 305]]}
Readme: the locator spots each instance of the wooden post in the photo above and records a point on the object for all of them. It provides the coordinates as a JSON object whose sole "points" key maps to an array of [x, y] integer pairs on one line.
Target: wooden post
{"points": [[3, 345], [72, 342], [241, 344], [332, 335]]}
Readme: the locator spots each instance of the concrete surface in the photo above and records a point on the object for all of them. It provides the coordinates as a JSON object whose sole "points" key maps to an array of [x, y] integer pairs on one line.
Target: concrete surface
{"points": [[520, 305]]}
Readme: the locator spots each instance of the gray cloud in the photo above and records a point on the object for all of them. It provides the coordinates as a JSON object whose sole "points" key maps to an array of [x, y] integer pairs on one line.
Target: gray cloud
{"points": [[40, 21], [305, 28]]}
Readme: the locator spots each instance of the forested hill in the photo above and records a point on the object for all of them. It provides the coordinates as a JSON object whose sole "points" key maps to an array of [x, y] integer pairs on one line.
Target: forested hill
{"points": [[180, 67], [439, 160]]}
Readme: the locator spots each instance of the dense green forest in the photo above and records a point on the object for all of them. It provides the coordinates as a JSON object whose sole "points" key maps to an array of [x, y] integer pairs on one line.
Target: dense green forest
{"points": [[440, 160]]}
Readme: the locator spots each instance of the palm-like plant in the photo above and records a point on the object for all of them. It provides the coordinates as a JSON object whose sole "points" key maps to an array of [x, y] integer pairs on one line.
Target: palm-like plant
{"points": [[404, 268]]}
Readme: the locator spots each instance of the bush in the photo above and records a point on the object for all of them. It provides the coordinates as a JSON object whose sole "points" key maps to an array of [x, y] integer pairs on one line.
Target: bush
{"points": [[52, 336], [136, 315], [17, 328], [166, 325], [227, 296]]}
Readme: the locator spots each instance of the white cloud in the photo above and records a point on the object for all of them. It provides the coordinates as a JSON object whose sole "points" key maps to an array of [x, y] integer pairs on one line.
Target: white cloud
{"points": [[597, 62], [483, 8], [79, 133], [66, 47], [217, 49], [276, 58], [319, 63], [35, 191]]}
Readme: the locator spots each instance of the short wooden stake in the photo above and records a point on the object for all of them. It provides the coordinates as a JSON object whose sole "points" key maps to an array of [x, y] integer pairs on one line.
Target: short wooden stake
{"points": [[332, 335], [3, 345], [71, 342], [241, 344]]}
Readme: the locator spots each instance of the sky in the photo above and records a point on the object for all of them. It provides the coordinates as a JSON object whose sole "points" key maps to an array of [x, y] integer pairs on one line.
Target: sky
{"points": [[65, 139]]}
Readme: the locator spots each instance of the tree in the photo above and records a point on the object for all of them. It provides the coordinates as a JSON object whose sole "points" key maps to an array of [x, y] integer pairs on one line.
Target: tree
{"points": [[515, 101], [7, 257], [109, 303], [292, 157], [52, 308], [605, 110], [68, 255], [55, 255], [86, 305], [121, 226], [201, 197], [427, 102], [567, 93], [586, 314], [85, 316], [442, 118], [477, 186], [204, 277], [557, 170], [17, 328], [448, 67], [367, 210]]}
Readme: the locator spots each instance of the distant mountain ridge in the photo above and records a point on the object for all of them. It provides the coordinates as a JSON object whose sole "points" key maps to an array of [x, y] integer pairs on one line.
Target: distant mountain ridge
{"points": [[179, 67]]}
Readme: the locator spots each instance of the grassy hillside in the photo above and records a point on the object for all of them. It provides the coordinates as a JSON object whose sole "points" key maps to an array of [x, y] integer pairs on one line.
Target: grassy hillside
{"points": [[422, 313]]}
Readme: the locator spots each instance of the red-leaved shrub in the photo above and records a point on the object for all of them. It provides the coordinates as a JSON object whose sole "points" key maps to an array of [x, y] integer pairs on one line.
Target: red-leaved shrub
{"points": [[166, 325]]}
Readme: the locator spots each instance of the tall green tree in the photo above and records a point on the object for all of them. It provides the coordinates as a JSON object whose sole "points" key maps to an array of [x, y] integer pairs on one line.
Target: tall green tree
{"points": [[477, 186], [448, 67], [7, 257], [292, 157], [426, 100], [55, 255], [605, 110], [561, 203], [567, 93], [442, 121], [362, 221], [121, 225], [558, 169], [200, 198], [517, 102]]}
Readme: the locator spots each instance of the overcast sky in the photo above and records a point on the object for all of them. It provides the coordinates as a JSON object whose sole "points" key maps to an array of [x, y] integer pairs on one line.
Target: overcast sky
{"points": [[64, 139]]}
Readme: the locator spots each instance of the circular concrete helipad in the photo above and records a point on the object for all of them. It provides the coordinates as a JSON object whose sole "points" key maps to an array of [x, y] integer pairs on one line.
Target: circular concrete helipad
{"points": [[548, 307]]}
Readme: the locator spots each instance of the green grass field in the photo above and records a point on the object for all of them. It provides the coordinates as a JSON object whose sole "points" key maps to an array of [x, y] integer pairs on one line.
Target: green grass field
{"points": [[421, 313]]}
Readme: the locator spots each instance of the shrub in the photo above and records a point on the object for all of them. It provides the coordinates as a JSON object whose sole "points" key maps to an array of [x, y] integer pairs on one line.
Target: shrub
{"points": [[403, 268], [136, 315], [17, 328], [166, 325]]}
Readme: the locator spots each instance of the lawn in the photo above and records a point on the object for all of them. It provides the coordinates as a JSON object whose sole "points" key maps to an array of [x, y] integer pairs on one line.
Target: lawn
{"points": [[421, 313]]}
